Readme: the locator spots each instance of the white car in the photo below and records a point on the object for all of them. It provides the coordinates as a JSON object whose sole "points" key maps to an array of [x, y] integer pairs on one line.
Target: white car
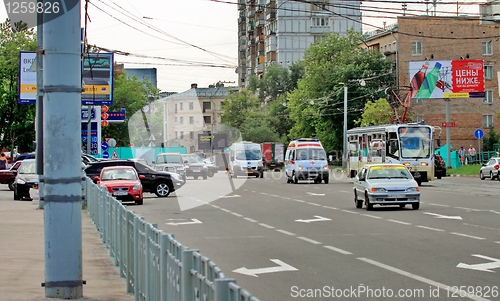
{"points": [[385, 184], [490, 169]]}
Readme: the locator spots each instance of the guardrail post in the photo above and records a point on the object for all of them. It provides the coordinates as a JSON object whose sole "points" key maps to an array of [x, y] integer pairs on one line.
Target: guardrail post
{"points": [[187, 261], [221, 289]]}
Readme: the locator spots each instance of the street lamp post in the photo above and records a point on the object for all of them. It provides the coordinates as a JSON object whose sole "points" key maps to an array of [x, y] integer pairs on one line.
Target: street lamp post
{"points": [[344, 155]]}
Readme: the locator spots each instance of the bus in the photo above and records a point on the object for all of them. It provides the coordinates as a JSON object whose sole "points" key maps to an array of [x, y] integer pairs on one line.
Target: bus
{"points": [[410, 144]]}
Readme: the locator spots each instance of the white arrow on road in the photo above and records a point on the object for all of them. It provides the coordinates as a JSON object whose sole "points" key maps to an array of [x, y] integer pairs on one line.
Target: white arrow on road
{"points": [[312, 193], [316, 219], [194, 221], [230, 196], [282, 267], [443, 216], [485, 267]]}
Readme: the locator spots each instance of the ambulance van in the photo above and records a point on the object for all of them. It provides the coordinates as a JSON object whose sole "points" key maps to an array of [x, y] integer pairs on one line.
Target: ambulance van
{"points": [[305, 159]]}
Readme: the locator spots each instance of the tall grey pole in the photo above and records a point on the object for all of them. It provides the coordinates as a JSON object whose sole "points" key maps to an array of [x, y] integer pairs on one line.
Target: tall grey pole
{"points": [[448, 162], [39, 103], [62, 88], [344, 155]]}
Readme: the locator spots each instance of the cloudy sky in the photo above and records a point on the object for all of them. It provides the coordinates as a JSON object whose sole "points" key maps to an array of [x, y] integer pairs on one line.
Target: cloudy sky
{"points": [[195, 41]]}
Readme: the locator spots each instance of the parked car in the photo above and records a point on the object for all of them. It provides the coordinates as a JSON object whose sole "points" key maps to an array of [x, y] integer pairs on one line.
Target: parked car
{"points": [[385, 184], [212, 168], [490, 169], [23, 156], [194, 166], [122, 182], [171, 162], [7, 176], [161, 183], [26, 178]]}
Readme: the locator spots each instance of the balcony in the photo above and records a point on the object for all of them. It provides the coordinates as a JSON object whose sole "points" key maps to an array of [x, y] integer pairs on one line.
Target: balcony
{"points": [[270, 16]]}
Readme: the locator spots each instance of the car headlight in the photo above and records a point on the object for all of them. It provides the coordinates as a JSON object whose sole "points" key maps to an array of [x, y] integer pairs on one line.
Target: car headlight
{"points": [[380, 189], [299, 167], [176, 176], [413, 189], [325, 167], [137, 186], [260, 164], [180, 168]]}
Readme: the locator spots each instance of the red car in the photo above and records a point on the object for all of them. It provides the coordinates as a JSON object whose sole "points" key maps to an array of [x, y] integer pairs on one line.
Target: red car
{"points": [[7, 176], [122, 182]]}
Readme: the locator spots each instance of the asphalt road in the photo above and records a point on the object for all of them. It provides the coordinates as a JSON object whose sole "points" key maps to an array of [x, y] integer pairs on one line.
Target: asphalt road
{"points": [[308, 241]]}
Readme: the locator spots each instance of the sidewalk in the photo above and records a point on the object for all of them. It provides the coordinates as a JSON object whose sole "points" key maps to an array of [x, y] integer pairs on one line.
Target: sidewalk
{"points": [[22, 267]]}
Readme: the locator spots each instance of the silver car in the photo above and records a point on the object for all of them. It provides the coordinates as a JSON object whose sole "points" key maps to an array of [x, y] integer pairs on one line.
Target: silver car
{"points": [[490, 169], [385, 184]]}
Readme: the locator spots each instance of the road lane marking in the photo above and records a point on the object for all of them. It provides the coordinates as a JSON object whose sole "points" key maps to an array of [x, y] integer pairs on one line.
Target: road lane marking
{"points": [[225, 210], [250, 220], [349, 211], [314, 242], [236, 214], [429, 228], [316, 219], [215, 206], [300, 201], [266, 225], [328, 207], [372, 216], [338, 250], [439, 205], [282, 267], [451, 289], [285, 232], [465, 208], [481, 227], [314, 204], [498, 242], [345, 191], [399, 222], [469, 236]]}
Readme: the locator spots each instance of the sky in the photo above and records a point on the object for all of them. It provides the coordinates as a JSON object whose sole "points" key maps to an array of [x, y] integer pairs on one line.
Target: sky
{"points": [[196, 41]]}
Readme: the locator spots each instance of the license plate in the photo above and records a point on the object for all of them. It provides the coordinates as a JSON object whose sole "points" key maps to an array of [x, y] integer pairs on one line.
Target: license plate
{"points": [[120, 193], [196, 170], [398, 196]]}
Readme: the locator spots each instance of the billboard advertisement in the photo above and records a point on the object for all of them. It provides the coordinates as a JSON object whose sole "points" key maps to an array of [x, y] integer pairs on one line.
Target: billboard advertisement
{"points": [[446, 79], [97, 78]]}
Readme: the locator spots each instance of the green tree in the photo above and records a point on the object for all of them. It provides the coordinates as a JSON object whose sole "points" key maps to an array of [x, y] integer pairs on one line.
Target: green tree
{"points": [[17, 121], [133, 95], [257, 129], [489, 142], [316, 106], [375, 113], [238, 106]]}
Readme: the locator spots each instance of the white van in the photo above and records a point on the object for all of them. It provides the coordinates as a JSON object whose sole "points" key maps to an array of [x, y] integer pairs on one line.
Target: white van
{"points": [[305, 159], [245, 159]]}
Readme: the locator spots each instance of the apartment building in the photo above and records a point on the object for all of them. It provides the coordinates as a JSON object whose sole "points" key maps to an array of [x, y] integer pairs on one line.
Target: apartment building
{"points": [[281, 30], [429, 39], [190, 118]]}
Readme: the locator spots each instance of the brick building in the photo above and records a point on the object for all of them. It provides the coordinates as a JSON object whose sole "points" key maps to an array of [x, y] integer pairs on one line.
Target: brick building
{"points": [[432, 39]]}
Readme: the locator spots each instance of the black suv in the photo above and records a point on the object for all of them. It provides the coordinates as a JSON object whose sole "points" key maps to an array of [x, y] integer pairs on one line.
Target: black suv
{"points": [[161, 183]]}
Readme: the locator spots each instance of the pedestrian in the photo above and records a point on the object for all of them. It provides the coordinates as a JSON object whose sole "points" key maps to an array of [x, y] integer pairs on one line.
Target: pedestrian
{"points": [[472, 155], [461, 152], [3, 161]]}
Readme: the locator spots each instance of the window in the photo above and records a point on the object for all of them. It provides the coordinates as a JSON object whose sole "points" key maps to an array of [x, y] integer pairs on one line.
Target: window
{"points": [[488, 97], [176, 135], [487, 121], [418, 118], [191, 120], [417, 101], [181, 106], [487, 48], [175, 106], [488, 72], [182, 135], [191, 135], [181, 120], [191, 105], [416, 48], [207, 119], [207, 105]]}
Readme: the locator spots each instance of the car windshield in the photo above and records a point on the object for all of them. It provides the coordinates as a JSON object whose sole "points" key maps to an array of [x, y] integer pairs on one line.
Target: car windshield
{"points": [[311, 154], [27, 167], [169, 158], [118, 174], [192, 159], [388, 172]]}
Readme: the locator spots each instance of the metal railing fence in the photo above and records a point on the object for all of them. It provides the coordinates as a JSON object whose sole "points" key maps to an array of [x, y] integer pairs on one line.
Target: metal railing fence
{"points": [[154, 264]]}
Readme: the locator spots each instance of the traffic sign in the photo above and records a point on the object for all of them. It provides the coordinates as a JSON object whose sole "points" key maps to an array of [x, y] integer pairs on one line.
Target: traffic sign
{"points": [[104, 146], [479, 134], [104, 108], [105, 155], [104, 123], [448, 124]]}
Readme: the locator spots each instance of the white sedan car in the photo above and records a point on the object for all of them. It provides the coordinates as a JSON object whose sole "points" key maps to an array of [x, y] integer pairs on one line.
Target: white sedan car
{"points": [[385, 184]]}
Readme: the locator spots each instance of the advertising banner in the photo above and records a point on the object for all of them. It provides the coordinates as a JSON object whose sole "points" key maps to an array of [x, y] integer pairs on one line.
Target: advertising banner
{"points": [[446, 79], [27, 78]]}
